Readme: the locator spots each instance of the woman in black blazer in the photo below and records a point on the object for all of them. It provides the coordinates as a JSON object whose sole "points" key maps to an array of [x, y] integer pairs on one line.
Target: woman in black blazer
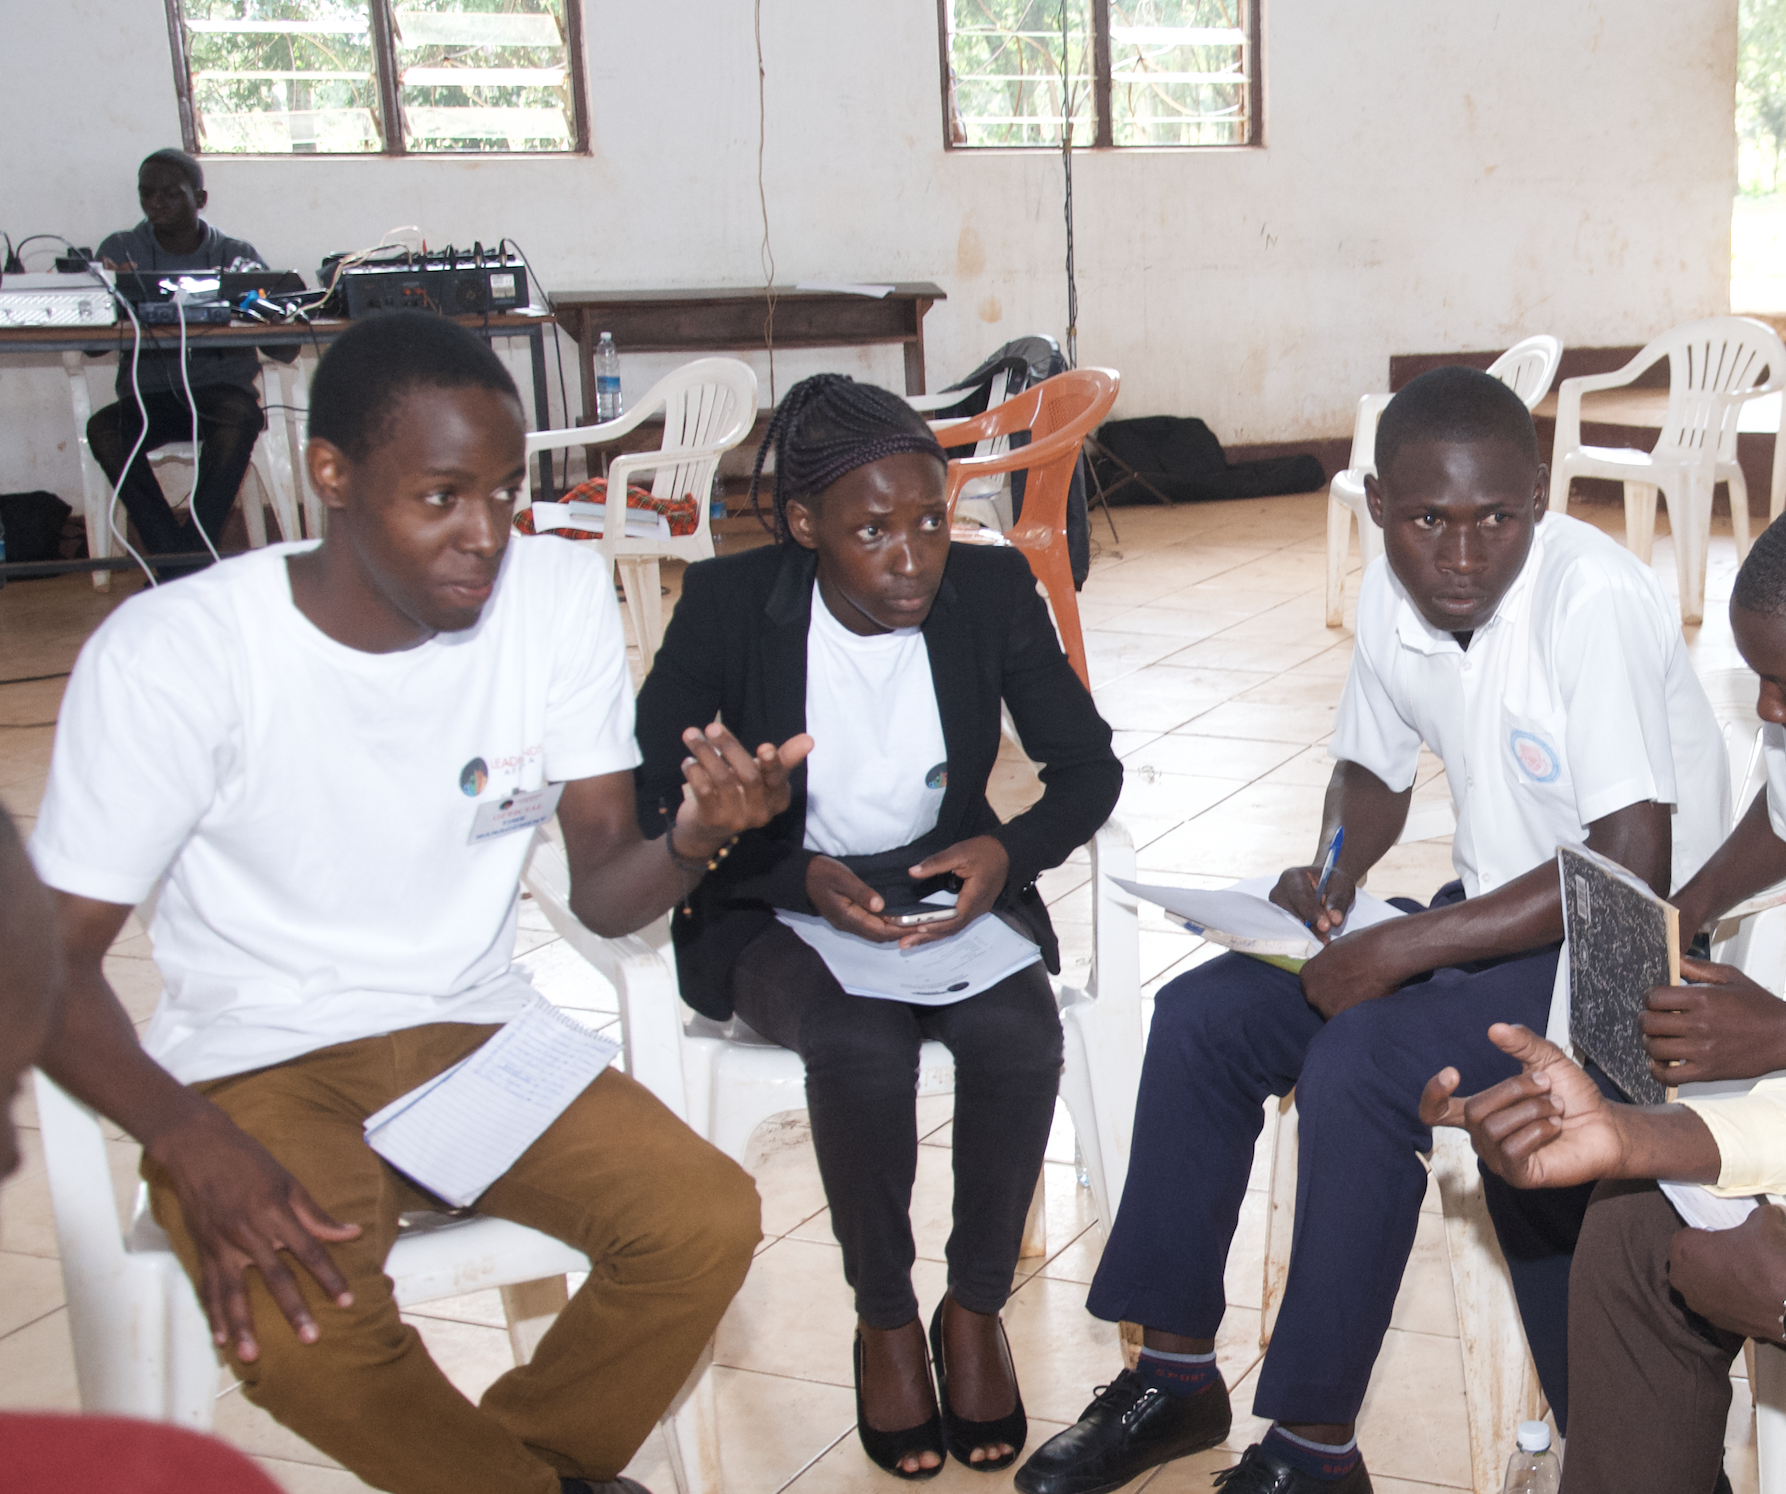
{"points": [[894, 648]]}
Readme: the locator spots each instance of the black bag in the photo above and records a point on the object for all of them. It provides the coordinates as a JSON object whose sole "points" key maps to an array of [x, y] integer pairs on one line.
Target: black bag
{"points": [[1184, 460], [32, 524]]}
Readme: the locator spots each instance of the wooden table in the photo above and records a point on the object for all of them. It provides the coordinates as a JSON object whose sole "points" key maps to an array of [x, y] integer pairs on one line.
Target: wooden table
{"points": [[285, 412], [731, 320]]}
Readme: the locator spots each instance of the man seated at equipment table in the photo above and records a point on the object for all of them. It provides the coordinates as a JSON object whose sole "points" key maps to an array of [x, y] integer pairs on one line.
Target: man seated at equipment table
{"points": [[173, 240]]}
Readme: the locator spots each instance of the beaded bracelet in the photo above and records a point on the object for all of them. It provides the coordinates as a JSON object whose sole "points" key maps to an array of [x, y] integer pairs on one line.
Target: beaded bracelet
{"points": [[695, 866]]}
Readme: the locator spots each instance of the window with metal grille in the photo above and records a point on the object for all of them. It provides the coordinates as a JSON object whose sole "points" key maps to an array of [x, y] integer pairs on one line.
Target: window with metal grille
{"points": [[398, 77], [1123, 72]]}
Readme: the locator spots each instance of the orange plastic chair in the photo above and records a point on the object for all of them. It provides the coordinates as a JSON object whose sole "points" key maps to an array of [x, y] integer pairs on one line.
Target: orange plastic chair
{"points": [[1058, 413]]}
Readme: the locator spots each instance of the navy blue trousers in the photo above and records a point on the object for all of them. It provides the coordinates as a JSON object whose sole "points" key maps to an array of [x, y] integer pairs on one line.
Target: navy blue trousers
{"points": [[1232, 1032]]}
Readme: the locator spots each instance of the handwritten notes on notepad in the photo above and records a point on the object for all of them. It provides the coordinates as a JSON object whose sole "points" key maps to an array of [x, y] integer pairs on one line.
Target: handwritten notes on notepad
{"points": [[463, 1129]]}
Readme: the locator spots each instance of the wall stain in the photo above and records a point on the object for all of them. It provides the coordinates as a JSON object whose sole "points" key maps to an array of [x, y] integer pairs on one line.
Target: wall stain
{"points": [[970, 255], [992, 310]]}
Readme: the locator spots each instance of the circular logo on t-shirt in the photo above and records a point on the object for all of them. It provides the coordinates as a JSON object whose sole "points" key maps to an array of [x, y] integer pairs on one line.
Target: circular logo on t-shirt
{"points": [[472, 778], [1536, 756], [937, 777]]}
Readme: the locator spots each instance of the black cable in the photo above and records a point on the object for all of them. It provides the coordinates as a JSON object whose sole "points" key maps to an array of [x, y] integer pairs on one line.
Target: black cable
{"points": [[32, 679], [534, 288]]}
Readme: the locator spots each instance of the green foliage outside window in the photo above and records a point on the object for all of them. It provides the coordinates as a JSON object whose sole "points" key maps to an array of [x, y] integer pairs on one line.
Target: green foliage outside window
{"points": [[1178, 72], [302, 76]]}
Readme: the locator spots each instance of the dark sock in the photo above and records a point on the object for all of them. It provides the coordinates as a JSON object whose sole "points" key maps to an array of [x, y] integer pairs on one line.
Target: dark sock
{"points": [[1316, 1459], [1177, 1374]]}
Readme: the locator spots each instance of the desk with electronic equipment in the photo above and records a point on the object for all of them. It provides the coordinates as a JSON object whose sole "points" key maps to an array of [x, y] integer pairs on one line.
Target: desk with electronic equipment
{"points": [[731, 320], [283, 434]]}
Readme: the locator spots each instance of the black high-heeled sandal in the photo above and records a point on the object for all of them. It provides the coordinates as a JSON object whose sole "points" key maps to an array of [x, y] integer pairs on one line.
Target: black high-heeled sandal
{"points": [[964, 1436], [889, 1449]]}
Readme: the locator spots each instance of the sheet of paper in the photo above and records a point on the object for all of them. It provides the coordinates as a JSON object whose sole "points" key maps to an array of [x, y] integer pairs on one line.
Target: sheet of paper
{"points": [[1705, 1210], [1243, 917], [933, 974], [462, 1130], [846, 288]]}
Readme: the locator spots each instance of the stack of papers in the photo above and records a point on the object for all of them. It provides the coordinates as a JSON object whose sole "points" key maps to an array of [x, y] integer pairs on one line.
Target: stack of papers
{"points": [[591, 518], [1243, 918], [463, 1129]]}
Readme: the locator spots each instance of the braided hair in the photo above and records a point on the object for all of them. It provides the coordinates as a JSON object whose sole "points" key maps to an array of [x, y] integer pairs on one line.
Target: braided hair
{"points": [[826, 426]]}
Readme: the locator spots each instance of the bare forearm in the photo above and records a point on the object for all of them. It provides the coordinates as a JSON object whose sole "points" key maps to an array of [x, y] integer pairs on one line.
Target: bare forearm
{"points": [[1371, 812], [94, 1055], [638, 882], [1753, 858], [1664, 1141], [1527, 913]]}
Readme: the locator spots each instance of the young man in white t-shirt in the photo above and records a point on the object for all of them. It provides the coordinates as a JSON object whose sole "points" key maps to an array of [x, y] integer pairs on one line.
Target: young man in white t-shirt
{"points": [[306, 747], [1545, 666]]}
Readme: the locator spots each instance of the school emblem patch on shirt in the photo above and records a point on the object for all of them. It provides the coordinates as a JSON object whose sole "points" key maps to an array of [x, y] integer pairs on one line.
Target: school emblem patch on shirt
{"points": [[1535, 756]]}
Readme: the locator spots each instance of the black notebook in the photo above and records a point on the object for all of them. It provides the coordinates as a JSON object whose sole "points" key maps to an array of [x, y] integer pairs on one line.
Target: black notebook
{"points": [[1623, 939]]}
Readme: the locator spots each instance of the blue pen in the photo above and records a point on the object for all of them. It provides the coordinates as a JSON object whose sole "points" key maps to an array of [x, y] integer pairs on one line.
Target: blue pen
{"points": [[1327, 866]]}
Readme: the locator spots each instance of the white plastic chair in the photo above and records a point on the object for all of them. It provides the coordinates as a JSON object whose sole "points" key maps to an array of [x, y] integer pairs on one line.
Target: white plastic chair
{"points": [[141, 1344], [1526, 368], [1714, 366], [271, 468], [985, 500], [272, 464], [732, 1086], [708, 407]]}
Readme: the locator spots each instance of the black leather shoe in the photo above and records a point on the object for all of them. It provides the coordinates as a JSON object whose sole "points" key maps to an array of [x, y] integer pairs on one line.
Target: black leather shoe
{"points": [[1126, 1430], [1258, 1472], [602, 1486]]}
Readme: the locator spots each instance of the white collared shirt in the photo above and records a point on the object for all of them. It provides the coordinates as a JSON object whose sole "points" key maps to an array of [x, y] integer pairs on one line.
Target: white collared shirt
{"points": [[1575, 700]]}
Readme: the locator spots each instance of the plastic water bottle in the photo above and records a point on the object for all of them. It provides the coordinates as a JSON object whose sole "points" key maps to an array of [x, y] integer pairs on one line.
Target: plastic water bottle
{"points": [[716, 503], [607, 379], [1534, 1468]]}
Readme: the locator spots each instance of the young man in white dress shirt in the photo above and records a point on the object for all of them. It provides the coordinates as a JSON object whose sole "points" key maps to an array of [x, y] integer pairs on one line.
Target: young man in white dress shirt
{"points": [[1545, 666], [1658, 1311], [307, 747]]}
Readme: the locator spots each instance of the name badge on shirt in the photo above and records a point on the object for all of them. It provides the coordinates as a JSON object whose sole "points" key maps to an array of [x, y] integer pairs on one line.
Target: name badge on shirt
{"points": [[515, 812]]}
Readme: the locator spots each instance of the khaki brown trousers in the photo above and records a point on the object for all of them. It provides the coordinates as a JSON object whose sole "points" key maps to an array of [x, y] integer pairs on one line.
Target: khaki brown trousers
{"points": [[1649, 1379], [667, 1222]]}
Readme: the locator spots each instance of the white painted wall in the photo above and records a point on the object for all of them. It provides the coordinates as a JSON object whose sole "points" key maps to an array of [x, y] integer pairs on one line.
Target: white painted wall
{"points": [[1438, 174]]}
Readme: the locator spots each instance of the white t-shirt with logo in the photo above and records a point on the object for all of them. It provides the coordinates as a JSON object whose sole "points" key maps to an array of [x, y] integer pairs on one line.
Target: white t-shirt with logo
{"points": [[878, 767], [311, 805]]}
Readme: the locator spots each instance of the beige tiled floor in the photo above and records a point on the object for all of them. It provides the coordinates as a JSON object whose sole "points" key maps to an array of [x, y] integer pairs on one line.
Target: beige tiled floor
{"points": [[1204, 626]]}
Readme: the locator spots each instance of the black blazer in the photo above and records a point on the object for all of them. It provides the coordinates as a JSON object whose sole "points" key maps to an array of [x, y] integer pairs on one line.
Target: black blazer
{"points": [[736, 649]]}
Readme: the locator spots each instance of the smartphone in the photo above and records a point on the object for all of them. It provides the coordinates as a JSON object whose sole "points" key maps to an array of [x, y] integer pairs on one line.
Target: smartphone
{"points": [[918, 920]]}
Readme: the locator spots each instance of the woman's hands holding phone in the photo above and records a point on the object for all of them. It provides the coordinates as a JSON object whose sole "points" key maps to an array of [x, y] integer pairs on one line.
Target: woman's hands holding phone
{"points": [[846, 902]]}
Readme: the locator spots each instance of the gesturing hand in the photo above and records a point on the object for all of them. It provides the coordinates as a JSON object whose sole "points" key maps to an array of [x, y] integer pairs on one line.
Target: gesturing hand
{"points": [[1726, 1028], [1549, 1127], [243, 1209], [1295, 891], [982, 864], [1735, 1277], [846, 902], [728, 790]]}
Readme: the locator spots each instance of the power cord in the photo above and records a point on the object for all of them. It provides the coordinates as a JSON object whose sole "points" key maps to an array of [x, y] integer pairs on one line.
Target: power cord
{"points": [[768, 254], [192, 405]]}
